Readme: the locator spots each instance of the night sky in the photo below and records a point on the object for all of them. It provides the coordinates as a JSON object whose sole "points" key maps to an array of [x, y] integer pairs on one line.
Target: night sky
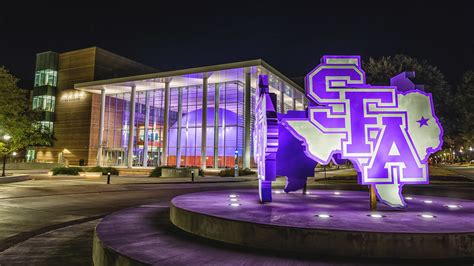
{"points": [[172, 35]]}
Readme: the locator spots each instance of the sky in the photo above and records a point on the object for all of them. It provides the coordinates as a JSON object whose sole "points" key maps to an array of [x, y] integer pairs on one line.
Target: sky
{"points": [[291, 35]]}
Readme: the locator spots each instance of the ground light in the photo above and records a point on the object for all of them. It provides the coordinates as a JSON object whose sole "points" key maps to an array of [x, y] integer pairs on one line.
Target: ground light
{"points": [[337, 193], [375, 215], [233, 196], [453, 206], [408, 198], [428, 201], [233, 199], [428, 216], [235, 204], [324, 216]]}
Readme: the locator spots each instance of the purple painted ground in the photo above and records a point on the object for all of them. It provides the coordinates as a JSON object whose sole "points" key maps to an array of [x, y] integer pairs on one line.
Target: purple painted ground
{"points": [[349, 211]]}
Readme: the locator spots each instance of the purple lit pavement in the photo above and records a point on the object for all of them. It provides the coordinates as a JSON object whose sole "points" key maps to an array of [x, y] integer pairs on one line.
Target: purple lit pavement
{"points": [[349, 210], [288, 226]]}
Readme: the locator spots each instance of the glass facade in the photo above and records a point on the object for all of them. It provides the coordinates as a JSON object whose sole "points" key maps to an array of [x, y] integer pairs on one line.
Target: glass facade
{"points": [[46, 77], [44, 92], [44, 102], [224, 109]]}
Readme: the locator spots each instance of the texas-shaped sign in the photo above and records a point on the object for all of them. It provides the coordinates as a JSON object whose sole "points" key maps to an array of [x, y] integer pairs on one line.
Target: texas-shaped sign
{"points": [[387, 132]]}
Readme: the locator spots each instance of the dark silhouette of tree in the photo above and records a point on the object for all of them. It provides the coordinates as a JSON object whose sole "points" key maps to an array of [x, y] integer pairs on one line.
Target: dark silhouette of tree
{"points": [[17, 120], [380, 70], [464, 107]]}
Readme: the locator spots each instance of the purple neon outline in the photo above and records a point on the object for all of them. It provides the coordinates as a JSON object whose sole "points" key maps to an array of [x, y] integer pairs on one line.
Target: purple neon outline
{"points": [[355, 162]]}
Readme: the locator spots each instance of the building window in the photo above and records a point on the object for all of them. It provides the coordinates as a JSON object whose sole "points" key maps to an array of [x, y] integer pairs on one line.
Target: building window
{"points": [[44, 102], [45, 77], [46, 126]]}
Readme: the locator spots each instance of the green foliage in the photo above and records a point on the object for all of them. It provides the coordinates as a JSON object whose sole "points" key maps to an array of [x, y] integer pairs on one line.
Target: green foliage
{"points": [[464, 111], [231, 172], [67, 170], [380, 70], [17, 119], [103, 170], [157, 171]]}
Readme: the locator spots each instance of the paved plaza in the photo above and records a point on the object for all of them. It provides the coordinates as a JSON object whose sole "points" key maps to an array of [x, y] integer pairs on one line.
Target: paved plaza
{"points": [[50, 220]]}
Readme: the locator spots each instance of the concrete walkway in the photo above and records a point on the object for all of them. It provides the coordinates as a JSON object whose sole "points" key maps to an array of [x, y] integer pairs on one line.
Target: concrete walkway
{"points": [[44, 207]]}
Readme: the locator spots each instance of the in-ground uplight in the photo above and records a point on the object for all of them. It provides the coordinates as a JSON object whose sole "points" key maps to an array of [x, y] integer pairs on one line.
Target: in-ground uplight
{"points": [[323, 216], [453, 206], [428, 216], [375, 215]]}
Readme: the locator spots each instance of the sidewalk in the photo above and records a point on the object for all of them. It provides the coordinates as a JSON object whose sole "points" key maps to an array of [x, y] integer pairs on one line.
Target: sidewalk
{"points": [[145, 179]]}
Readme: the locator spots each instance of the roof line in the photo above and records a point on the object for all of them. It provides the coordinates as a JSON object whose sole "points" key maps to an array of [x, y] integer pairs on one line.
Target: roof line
{"points": [[211, 68]]}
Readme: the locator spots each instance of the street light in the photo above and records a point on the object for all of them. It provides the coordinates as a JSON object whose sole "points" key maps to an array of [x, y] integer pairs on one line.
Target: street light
{"points": [[6, 137]]}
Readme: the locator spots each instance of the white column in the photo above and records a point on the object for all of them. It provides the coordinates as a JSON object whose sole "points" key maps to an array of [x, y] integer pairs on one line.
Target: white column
{"points": [[164, 153], [282, 98], [131, 129], [216, 125], [204, 123], [180, 114], [247, 112], [145, 132], [101, 127]]}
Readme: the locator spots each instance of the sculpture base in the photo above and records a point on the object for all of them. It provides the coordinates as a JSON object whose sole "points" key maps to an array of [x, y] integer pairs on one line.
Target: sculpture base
{"points": [[332, 223]]}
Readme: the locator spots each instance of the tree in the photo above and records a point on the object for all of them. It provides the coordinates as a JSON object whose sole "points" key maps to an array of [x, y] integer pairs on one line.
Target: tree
{"points": [[19, 125], [380, 70], [464, 107]]}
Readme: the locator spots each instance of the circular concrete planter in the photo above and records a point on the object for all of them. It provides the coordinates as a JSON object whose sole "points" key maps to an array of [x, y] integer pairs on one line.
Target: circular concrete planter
{"points": [[264, 228]]}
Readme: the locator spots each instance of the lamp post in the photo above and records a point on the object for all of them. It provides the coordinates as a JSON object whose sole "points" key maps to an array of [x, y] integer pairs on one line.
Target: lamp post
{"points": [[470, 153], [236, 162], [6, 138]]}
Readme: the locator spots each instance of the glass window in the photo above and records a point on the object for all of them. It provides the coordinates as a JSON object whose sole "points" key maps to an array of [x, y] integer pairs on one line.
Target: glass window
{"points": [[46, 77], [44, 102], [46, 126]]}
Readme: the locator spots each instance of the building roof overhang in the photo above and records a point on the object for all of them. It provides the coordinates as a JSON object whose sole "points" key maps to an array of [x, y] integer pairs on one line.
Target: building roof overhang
{"points": [[187, 76]]}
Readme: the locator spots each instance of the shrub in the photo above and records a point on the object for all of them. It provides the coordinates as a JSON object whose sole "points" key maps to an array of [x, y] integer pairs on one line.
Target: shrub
{"points": [[103, 170], [66, 170], [231, 172], [157, 171]]}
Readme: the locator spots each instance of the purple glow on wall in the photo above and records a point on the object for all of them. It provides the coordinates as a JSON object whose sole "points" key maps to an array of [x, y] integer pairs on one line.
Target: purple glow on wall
{"points": [[191, 131]]}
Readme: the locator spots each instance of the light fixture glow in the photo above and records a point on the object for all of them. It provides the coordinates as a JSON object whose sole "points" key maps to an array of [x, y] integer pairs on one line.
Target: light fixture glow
{"points": [[428, 201], [452, 206], [324, 216], [337, 193], [234, 204], [278, 192], [234, 199], [408, 198], [233, 196], [428, 216], [376, 215]]}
